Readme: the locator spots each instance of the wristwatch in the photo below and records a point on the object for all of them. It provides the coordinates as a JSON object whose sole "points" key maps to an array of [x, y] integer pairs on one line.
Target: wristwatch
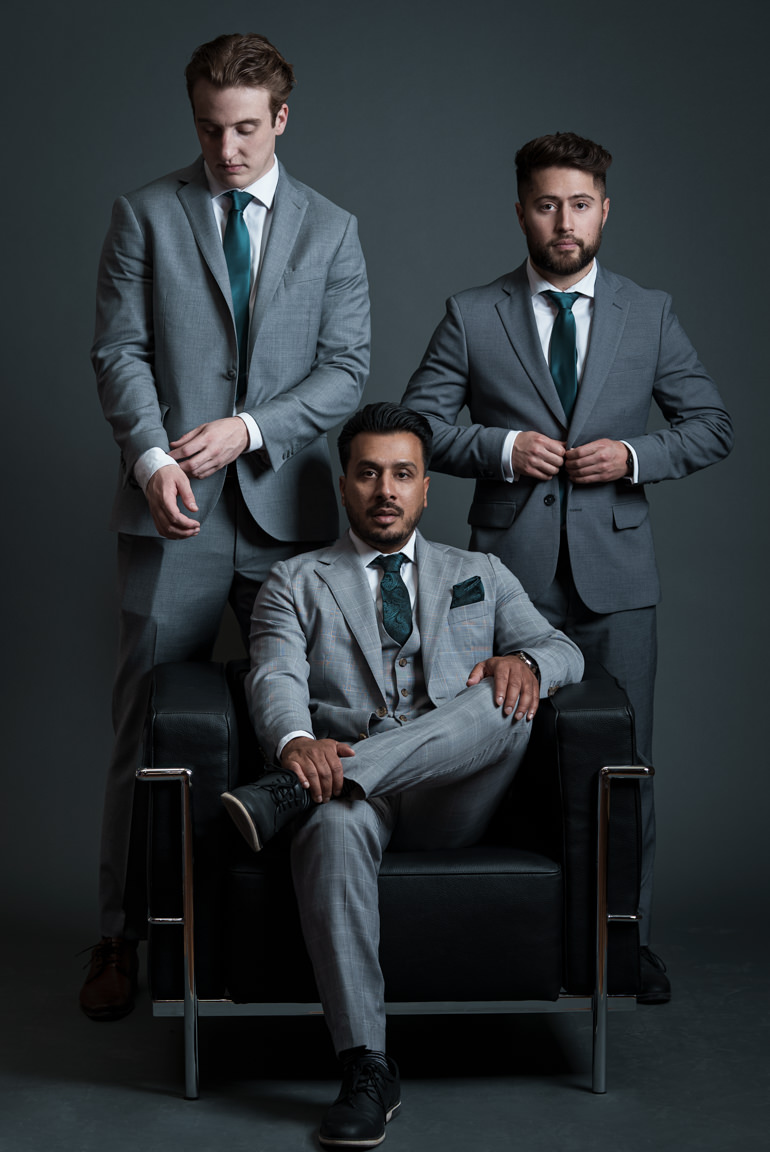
{"points": [[531, 664]]}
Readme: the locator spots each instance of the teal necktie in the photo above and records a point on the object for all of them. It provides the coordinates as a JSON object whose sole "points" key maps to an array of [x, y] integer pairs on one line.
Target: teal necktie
{"points": [[563, 351], [237, 246], [396, 605], [563, 365]]}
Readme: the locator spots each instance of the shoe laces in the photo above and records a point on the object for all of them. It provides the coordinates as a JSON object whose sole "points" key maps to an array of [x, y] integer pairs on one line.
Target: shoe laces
{"points": [[105, 952], [364, 1076], [654, 959], [285, 796]]}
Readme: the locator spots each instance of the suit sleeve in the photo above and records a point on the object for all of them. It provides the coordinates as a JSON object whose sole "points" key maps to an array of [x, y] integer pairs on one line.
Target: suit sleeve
{"points": [[440, 389], [124, 345], [700, 430], [520, 627], [277, 685], [332, 389]]}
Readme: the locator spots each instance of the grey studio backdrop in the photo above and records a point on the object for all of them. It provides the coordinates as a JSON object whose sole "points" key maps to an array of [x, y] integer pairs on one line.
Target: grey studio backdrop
{"points": [[407, 114]]}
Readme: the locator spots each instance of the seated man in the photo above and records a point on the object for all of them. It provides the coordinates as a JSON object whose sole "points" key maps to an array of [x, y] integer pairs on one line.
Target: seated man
{"points": [[435, 653]]}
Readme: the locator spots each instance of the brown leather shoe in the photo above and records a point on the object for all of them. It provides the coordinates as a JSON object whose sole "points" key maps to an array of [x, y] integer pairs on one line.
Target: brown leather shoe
{"points": [[110, 986]]}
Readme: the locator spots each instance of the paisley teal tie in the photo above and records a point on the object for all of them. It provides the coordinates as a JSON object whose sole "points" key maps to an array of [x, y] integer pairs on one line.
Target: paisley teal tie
{"points": [[237, 246], [396, 605], [563, 351]]}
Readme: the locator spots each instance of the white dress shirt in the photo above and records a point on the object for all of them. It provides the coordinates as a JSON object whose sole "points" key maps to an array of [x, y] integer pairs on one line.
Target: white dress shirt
{"points": [[257, 216], [545, 311], [374, 575]]}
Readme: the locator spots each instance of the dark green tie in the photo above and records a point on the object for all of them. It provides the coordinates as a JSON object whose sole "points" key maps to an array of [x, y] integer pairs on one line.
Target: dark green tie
{"points": [[563, 365], [237, 246], [396, 605], [563, 350]]}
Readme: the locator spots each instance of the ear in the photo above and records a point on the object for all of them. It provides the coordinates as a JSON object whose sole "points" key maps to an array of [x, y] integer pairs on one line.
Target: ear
{"points": [[605, 210], [426, 485], [342, 490], [520, 214], [281, 116]]}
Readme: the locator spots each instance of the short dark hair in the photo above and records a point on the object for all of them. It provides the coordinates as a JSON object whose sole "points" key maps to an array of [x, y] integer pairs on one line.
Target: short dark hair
{"points": [[562, 150], [385, 418], [242, 61]]}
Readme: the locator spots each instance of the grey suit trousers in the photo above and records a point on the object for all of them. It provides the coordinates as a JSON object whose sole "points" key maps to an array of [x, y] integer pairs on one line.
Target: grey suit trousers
{"points": [[432, 783], [625, 643], [172, 597]]}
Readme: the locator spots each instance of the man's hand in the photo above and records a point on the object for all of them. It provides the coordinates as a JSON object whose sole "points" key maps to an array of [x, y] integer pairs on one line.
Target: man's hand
{"points": [[317, 764], [516, 685], [165, 486], [537, 455], [597, 462], [204, 450]]}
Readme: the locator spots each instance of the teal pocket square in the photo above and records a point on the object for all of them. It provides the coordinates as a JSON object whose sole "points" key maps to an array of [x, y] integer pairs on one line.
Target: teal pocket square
{"points": [[469, 592]]}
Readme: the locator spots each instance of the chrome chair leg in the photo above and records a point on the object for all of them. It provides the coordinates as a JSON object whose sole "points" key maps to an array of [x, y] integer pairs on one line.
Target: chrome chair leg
{"points": [[604, 918]]}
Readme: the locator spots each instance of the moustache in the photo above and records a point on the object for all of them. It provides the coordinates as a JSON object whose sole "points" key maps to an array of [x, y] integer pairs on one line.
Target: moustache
{"points": [[392, 508]]}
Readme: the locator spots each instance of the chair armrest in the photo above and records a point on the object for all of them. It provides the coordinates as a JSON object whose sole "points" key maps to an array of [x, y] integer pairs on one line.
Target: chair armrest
{"points": [[191, 723], [581, 729]]}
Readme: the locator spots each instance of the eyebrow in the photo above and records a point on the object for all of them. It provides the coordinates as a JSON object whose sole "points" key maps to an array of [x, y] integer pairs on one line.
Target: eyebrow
{"points": [[386, 464], [574, 196], [216, 124]]}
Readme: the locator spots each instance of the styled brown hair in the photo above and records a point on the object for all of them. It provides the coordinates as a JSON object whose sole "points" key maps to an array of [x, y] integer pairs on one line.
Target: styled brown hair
{"points": [[562, 150], [242, 61]]}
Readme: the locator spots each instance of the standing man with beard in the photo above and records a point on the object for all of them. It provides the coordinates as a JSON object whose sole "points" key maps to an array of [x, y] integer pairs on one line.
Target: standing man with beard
{"points": [[558, 363]]}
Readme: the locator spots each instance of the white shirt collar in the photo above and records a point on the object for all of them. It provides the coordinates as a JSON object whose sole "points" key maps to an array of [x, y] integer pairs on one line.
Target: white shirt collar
{"points": [[262, 189], [368, 554], [586, 286]]}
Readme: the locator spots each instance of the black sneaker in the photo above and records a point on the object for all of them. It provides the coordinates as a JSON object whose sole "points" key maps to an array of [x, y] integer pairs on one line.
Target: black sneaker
{"points": [[370, 1096], [262, 809]]}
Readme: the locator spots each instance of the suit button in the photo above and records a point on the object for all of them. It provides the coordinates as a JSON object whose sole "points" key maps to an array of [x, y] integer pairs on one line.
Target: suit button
{"points": [[362, 736], [403, 718], [232, 373], [404, 691], [382, 712], [402, 662], [549, 500]]}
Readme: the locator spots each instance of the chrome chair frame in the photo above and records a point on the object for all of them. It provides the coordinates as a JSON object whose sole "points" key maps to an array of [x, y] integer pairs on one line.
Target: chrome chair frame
{"points": [[190, 1007]]}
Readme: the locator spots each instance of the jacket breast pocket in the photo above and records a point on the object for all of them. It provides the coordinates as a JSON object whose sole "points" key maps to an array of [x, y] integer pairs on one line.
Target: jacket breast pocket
{"points": [[468, 614]]}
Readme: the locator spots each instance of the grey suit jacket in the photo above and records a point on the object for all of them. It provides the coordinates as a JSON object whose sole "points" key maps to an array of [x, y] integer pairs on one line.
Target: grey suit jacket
{"points": [[315, 645], [166, 356], [486, 354]]}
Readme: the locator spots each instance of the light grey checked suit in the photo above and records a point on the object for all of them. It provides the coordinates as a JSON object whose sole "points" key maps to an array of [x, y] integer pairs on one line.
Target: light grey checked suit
{"points": [[486, 354], [166, 361], [431, 778]]}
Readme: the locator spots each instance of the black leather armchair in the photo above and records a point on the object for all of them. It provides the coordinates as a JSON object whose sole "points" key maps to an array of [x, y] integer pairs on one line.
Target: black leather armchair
{"points": [[528, 903]]}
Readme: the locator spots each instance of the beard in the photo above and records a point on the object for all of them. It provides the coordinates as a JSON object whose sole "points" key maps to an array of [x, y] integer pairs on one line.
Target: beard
{"points": [[547, 257], [391, 537]]}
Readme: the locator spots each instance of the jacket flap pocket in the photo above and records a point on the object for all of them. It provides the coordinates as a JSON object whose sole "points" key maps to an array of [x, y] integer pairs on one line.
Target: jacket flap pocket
{"points": [[495, 514], [630, 515]]}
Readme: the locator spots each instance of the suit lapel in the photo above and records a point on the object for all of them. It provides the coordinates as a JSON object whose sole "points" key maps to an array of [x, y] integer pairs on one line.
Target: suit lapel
{"points": [[609, 320], [195, 198], [341, 570], [289, 208], [518, 319], [436, 573]]}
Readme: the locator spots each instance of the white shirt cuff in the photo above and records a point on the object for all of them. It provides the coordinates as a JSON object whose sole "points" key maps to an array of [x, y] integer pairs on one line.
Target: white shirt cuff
{"points": [[256, 440], [149, 463], [286, 739], [508, 443]]}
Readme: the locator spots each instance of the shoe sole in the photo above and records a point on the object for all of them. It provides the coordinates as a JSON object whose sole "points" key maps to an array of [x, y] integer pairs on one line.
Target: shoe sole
{"points": [[330, 1142], [242, 821], [104, 1015]]}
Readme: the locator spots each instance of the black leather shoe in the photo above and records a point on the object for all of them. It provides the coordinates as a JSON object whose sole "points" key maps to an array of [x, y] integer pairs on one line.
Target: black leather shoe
{"points": [[110, 986], [655, 984], [262, 809], [370, 1096]]}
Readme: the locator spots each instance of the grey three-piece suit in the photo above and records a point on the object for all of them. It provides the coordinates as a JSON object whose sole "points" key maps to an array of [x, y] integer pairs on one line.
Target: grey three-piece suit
{"points": [[486, 355], [432, 756], [166, 360]]}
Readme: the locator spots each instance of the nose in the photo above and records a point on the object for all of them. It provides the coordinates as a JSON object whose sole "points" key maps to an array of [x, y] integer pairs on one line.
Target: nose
{"points": [[565, 221], [227, 145], [385, 488]]}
